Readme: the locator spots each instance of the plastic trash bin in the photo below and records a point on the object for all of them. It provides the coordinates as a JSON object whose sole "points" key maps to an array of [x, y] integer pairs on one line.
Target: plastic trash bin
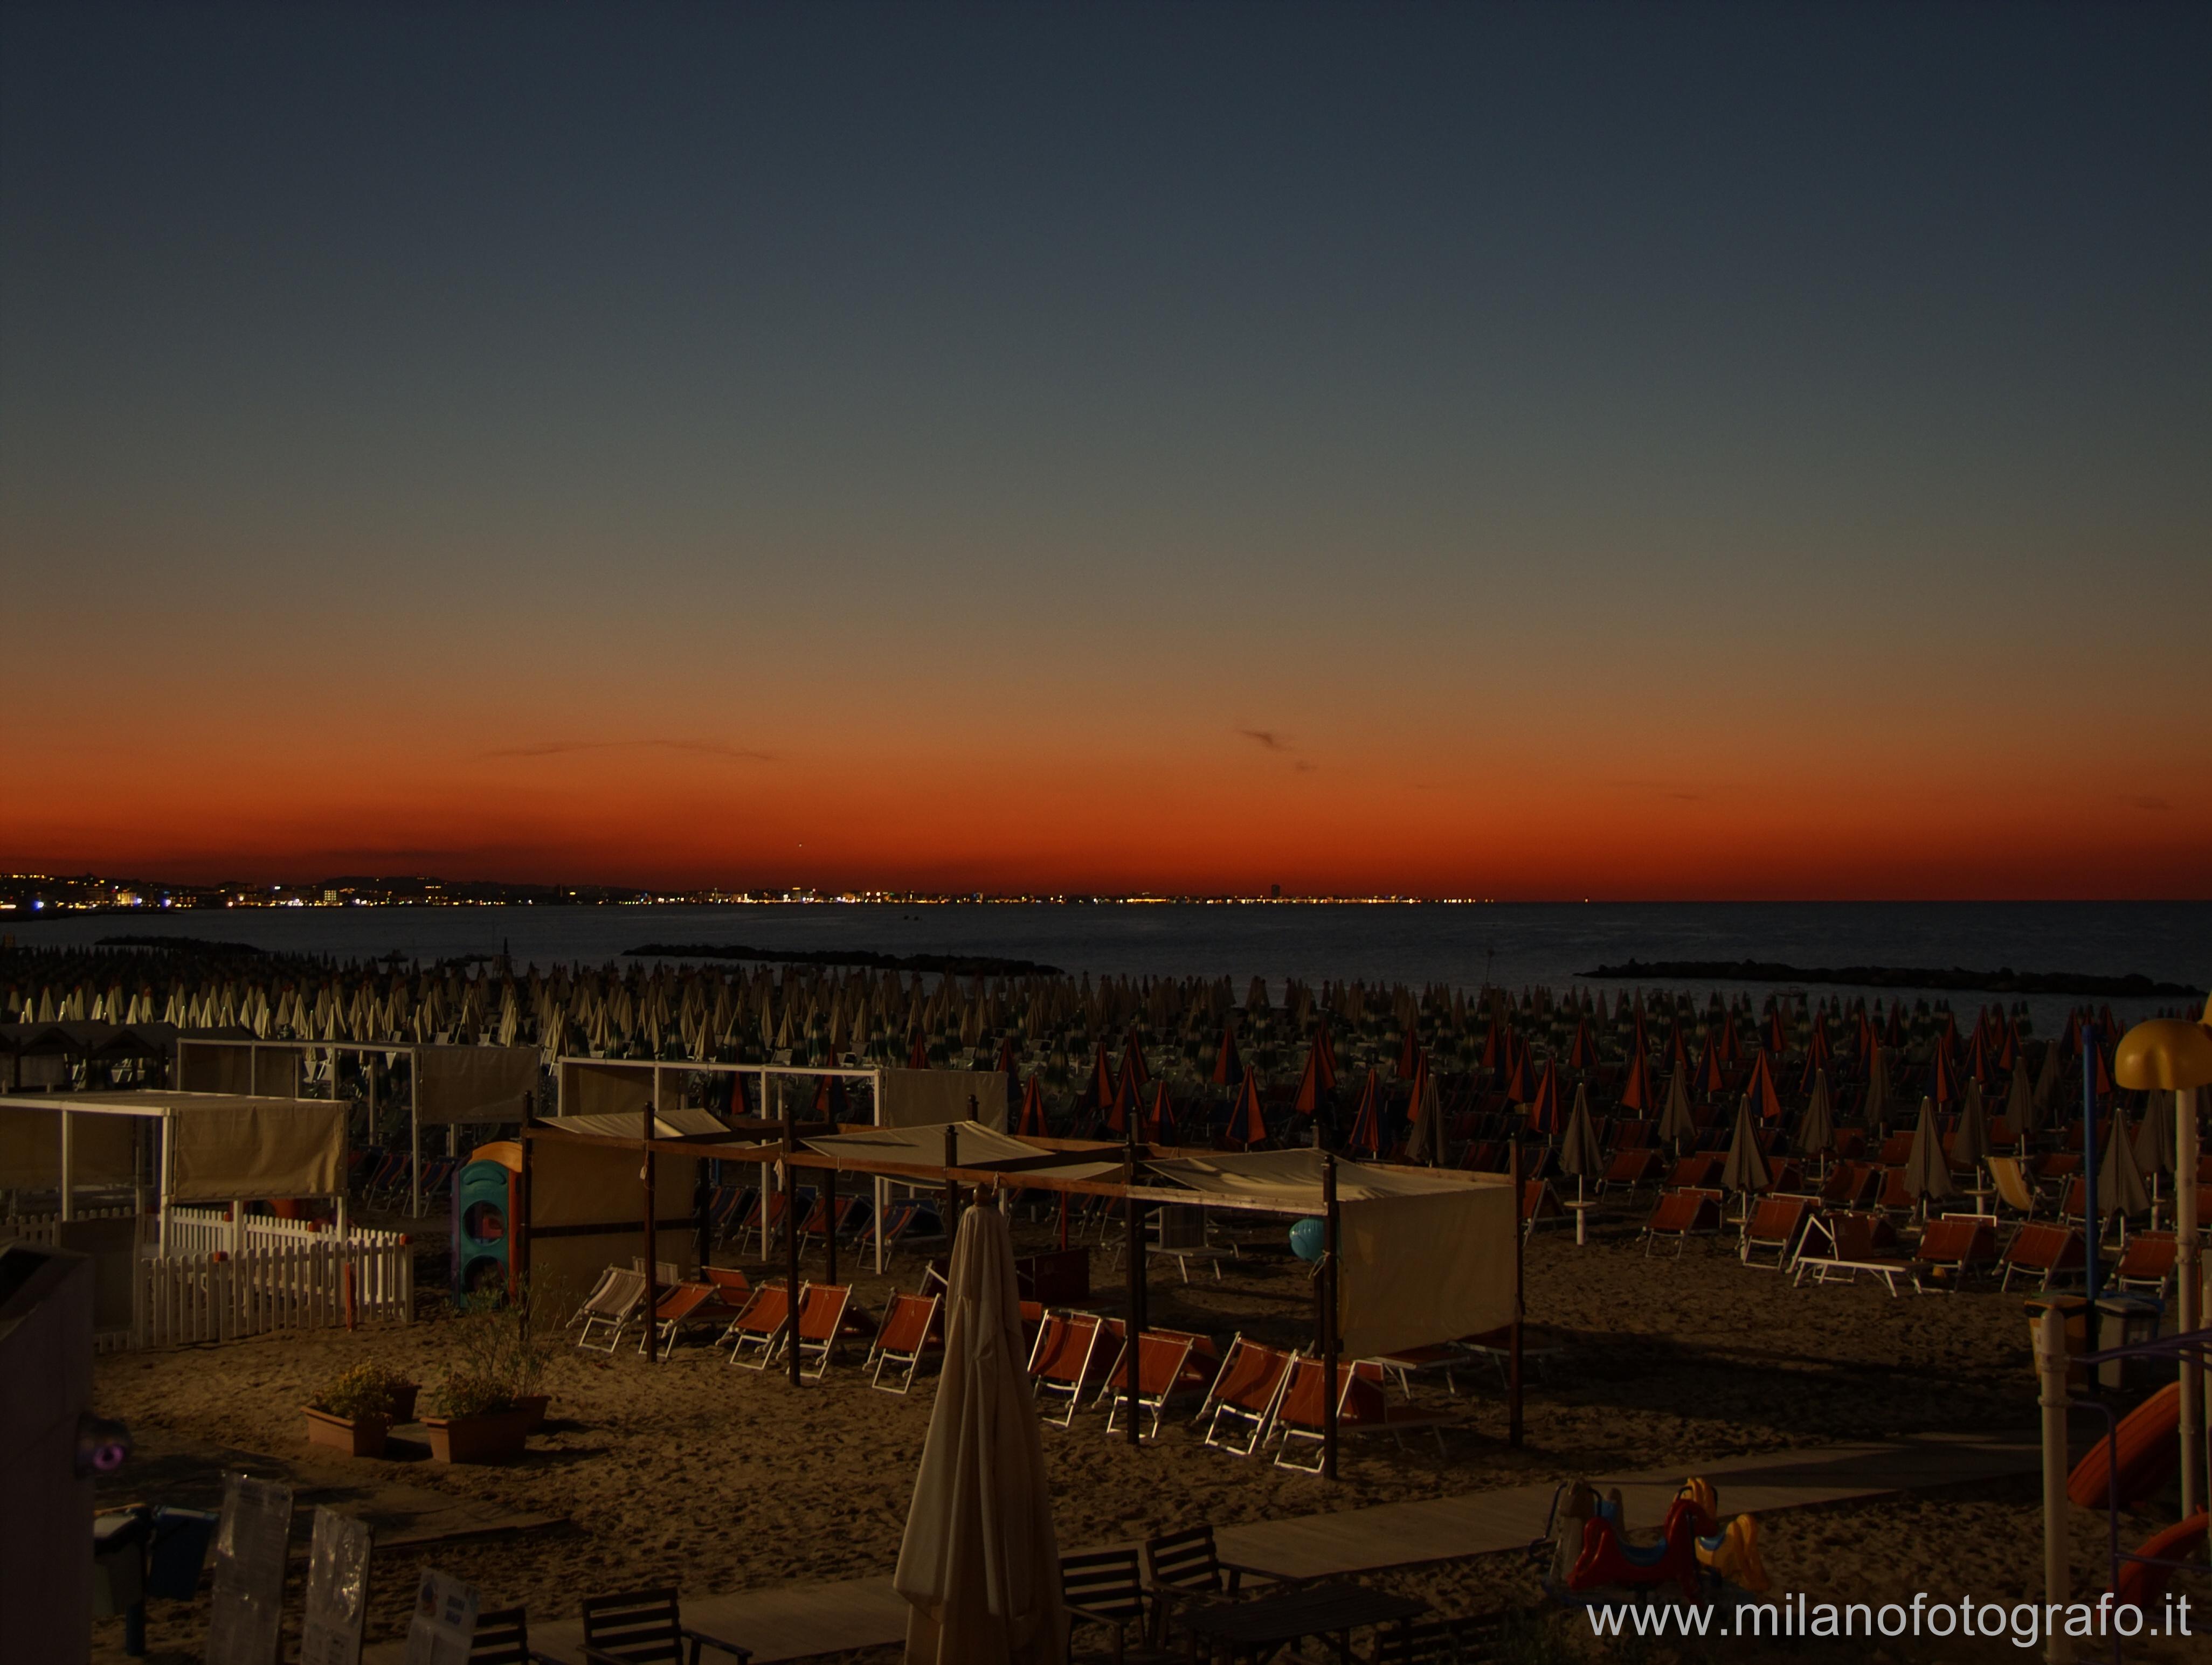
{"points": [[179, 1548]]}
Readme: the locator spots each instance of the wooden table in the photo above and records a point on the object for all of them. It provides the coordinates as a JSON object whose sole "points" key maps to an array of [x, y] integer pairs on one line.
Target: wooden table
{"points": [[1258, 1627]]}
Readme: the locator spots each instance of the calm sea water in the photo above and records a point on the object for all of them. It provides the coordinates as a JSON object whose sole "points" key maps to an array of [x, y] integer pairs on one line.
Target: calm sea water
{"points": [[1511, 943]]}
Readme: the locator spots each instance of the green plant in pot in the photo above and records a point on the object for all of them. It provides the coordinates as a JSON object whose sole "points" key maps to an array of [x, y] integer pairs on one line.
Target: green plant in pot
{"points": [[353, 1411], [487, 1401]]}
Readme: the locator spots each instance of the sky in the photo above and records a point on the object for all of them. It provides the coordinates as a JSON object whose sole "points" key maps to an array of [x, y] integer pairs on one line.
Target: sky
{"points": [[1570, 451]]}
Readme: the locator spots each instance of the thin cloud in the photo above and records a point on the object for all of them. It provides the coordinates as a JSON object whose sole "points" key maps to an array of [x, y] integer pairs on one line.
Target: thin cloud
{"points": [[1268, 738], [2154, 805], [1275, 740], [692, 747]]}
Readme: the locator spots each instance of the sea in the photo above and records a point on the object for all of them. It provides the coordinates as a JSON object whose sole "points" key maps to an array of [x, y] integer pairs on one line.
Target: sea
{"points": [[1465, 945]]}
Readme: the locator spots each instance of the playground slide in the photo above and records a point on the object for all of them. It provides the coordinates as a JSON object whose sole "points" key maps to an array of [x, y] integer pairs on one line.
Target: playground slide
{"points": [[2149, 1453], [2142, 1585]]}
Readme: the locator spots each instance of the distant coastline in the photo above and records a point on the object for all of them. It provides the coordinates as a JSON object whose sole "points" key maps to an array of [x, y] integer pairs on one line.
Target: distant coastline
{"points": [[2002, 981], [959, 965]]}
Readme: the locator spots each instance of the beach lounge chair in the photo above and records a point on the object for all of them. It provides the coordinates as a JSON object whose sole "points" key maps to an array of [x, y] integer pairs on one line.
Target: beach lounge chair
{"points": [[1852, 1185], [1682, 1215], [1843, 1245], [821, 1321], [2148, 1263], [684, 1302], [1242, 1396], [1106, 1587], [1694, 1173], [909, 1329], [732, 1290], [609, 1308], [646, 1627], [502, 1637], [1183, 1237], [1161, 1357], [756, 1335], [1061, 1361], [1952, 1247], [2042, 1252], [1495, 1347], [1539, 1204], [1362, 1408], [2014, 1187], [1425, 1360], [1773, 1229], [1897, 1149], [1631, 1170]]}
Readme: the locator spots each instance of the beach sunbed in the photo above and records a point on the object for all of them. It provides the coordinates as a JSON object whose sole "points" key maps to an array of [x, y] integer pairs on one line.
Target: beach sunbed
{"points": [[646, 1627], [909, 1329], [684, 1302], [1242, 1396], [2042, 1252], [756, 1335], [1682, 1215], [1539, 1204], [1161, 1357], [1632, 1169], [2014, 1187], [1362, 1408], [1843, 1245], [1773, 1228], [1424, 1361], [608, 1311], [1694, 1173], [1060, 1362], [2148, 1263], [1955, 1246], [821, 1321], [731, 1289]]}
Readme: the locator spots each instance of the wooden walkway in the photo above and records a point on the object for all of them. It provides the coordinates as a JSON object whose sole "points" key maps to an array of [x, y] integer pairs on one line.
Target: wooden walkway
{"points": [[800, 1622]]}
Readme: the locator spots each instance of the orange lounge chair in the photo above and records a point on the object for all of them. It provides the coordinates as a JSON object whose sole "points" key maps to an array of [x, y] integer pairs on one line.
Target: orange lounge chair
{"points": [[1955, 1245], [1694, 1173], [1362, 1408], [821, 1322], [1162, 1356], [2043, 1252], [2148, 1263], [1845, 1245], [909, 1329], [1682, 1215], [1773, 1229], [686, 1303], [758, 1328], [1539, 1203], [1060, 1362], [1631, 1170], [1243, 1395]]}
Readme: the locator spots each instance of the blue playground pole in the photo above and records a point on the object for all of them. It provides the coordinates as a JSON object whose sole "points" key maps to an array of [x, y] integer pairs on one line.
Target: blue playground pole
{"points": [[2092, 1216]]}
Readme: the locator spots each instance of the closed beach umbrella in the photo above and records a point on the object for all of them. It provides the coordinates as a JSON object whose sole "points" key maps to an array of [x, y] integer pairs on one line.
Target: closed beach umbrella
{"points": [[1636, 1093], [1547, 1115], [1579, 1154], [1367, 1121], [1425, 1139], [2155, 1137], [1970, 1140], [1877, 1093], [1746, 1167], [1248, 1123], [1028, 1121], [1816, 1128], [1228, 1065], [2120, 1187], [2021, 1113], [1676, 1125], [1766, 1098], [1927, 1172], [980, 1564]]}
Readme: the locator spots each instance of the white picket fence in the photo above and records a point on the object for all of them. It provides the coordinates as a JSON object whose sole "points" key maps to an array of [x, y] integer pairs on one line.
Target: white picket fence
{"points": [[283, 1275]]}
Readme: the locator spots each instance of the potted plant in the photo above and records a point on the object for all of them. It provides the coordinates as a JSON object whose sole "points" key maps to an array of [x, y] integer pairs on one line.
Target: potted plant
{"points": [[353, 1413], [474, 1420]]}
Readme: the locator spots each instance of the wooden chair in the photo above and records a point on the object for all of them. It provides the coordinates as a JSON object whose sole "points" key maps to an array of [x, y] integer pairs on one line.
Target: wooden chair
{"points": [[1183, 1568], [1106, 1587], [502, 1637], [645, 1627]]}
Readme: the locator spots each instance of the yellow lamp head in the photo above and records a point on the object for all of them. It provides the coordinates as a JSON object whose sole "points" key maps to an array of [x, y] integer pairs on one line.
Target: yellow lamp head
{"points": [[2165, 1055]]}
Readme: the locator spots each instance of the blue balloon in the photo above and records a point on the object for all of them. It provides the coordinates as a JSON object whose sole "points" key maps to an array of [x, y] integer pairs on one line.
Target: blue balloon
{"points": [[1308, 1236]]}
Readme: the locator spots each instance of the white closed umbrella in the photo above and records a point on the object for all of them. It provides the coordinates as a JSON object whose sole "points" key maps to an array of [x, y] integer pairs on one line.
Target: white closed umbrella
{"points": [[979, 1565]]}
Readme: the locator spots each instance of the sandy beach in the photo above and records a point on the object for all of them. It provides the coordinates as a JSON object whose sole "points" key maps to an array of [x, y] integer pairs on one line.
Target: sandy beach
{"points": [[719, 1479]]}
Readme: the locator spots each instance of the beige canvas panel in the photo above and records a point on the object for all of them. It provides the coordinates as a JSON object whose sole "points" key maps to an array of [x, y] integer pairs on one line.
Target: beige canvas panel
{"points": [[473, 1083], [931, 1098], [255, 1149], [597, 1089], [584, 1182], [1418, 1269]]}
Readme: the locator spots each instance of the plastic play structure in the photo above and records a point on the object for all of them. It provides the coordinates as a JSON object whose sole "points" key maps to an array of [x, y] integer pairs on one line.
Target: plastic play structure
{"points": [[1591, 1550]]}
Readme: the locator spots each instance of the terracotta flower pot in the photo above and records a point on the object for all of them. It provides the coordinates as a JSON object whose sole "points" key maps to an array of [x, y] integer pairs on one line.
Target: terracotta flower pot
{"points": [[533, 1404], [486, 1436], [403, 1400], [357, 1436]]}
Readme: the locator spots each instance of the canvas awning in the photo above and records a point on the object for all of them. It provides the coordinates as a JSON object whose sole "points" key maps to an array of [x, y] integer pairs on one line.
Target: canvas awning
{"points": [[676, 1122], [223, 1147], [978, 1147]]}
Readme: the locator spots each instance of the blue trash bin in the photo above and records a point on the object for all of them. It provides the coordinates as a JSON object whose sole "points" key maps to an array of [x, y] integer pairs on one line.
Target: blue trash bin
{"points": [[181, 1537]]}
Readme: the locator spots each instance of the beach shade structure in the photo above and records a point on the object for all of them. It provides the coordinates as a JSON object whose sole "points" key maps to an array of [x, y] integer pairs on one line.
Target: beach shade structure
{"points": [[2021, 1112], [1228, 1064], [1877, 1089], [1162, 1125], [2120, 1188], [1745, 1170], [1099, 1089], [1029, 1120], [1582, 1054], [2008, 1052], [1927, 1171], [1816, 1128], [1367, 1121], [1819, 1055], [1942, 1079], [1248, 1123], [1677, 1126], [1517, 1090], [2093, 1055], [1548, 1113], [1313, 1095], [979, 1566], [1579, 1154], [1777, 1037], [1424, 1136], [1975, 1066], [1709, 1077], [2171, 1055], [1636, 1092], [1496, 1047], [1970, 1140], [1678, 1050], [1766, 1098], [1124, 1105]]}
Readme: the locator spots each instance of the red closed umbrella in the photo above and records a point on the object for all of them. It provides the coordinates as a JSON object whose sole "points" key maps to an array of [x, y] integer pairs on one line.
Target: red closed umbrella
{"points": [[1247, 1124], [1367, 1122]]}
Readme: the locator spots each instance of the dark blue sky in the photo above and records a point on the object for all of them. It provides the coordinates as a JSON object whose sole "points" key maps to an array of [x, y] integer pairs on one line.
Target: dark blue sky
{"points": [[1332, 372]]}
